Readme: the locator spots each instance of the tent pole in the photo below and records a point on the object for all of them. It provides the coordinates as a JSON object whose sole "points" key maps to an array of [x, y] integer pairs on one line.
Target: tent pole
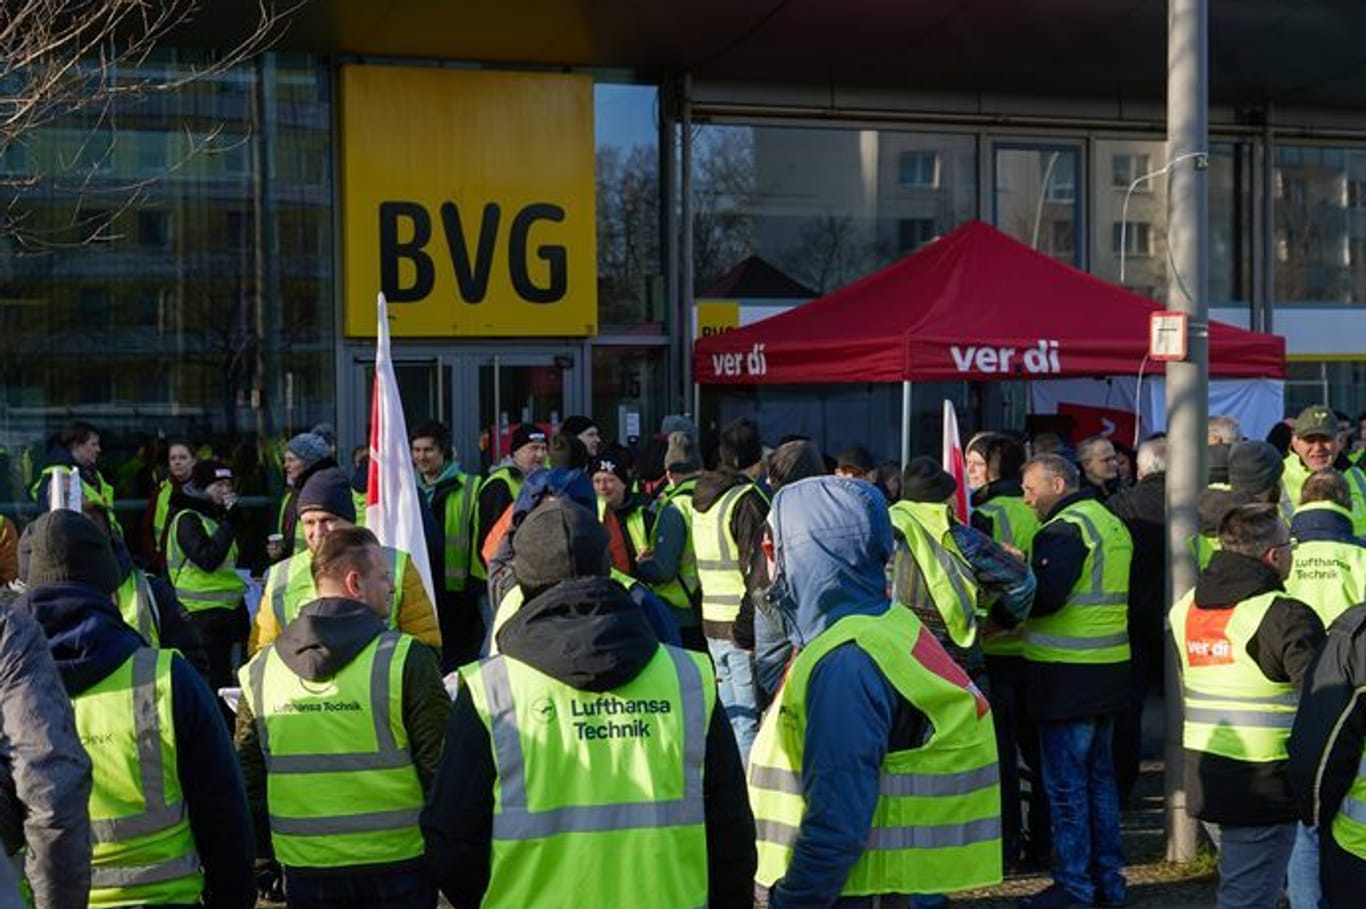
{"points": [[697, 405], [905, 423]]}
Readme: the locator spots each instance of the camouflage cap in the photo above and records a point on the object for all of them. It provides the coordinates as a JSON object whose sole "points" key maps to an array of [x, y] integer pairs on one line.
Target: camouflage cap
{"points": [[1316, 420]]}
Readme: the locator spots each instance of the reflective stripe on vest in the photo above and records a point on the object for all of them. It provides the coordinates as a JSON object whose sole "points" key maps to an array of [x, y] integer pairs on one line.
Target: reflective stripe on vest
{"points": [[1349, 822], [137, 606], [718, 564], [351, 728], [456, 531], [512, 601], [633, 799], [937, 823], [1356, 482], [144, 851], [196, 588], [289, 586], [1231, 708], [675, 592], [161, 513], [514, 485], [1092, 626], [1013, 523], [930, 572]]}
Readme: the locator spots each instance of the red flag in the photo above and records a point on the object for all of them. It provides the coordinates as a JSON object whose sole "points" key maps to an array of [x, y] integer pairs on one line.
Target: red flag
{"points": [[953, 461], [392, 507]]}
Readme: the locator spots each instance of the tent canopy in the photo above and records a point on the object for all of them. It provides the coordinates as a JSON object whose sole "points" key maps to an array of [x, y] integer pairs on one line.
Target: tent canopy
{"points": [[974, 304]]}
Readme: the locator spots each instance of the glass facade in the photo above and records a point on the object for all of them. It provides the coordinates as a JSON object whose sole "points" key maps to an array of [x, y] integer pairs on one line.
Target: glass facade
{"points": [[168, 270], [1319, 194]]}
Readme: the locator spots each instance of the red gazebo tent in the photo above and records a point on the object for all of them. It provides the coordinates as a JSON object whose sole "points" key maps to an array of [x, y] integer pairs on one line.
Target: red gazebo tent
{"points": [[975, 304]]}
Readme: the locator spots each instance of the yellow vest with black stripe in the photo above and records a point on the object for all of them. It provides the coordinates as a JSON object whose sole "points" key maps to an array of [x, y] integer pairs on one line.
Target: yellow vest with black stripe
{"points": [[341, 787], [289, 585], [1013, 523], [144, 851], [458, 526], [675, 592], [1092, 626], [1231, 708], [199, 590], [936, 827], [718, 556], [512, 601], [931, 556], [599, 795], [138, 606], [1327, 575]]}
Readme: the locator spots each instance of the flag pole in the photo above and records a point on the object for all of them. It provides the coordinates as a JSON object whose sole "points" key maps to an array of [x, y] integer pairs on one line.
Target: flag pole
{"points": [[905, 423]]}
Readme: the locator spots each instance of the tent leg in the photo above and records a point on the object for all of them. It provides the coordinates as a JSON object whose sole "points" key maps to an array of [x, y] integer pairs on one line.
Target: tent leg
{"points": [[905, 423]]}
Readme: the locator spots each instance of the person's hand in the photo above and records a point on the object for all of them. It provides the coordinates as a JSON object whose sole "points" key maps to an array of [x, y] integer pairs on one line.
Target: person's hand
{"points": [[270, 881], [1015, 551], [230, 501]]}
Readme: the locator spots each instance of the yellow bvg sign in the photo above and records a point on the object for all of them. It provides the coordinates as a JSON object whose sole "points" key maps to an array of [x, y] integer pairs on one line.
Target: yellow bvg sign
{"points": [[468, 200]]}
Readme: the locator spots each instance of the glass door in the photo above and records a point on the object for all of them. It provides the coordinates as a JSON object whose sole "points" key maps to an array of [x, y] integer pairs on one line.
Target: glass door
{"points": [[520, 388], [424, 384]]}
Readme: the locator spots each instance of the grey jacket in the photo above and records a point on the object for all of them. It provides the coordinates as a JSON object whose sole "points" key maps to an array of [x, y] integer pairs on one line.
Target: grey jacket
{"points": [[44, 771]]}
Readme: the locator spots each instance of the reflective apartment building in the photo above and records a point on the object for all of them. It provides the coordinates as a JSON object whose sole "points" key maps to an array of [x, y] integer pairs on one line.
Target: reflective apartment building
{"points": [[227, 300]]}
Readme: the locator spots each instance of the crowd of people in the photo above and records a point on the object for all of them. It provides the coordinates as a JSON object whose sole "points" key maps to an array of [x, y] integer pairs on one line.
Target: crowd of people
{"points": [[653, 678]]}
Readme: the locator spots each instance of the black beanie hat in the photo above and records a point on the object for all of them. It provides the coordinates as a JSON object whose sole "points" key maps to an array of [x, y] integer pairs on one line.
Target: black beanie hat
{"points": [[67, 547], [206, 473], [577, 424], [1254, 467], [740, 446], [330, 491], [612, 462], [526, 434], [559, 540], [568, 452], [923, 480]]}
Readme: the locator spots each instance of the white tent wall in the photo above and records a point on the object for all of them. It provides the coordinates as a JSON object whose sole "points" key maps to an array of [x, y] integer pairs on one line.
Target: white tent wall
{"points": [[1257, 404]]}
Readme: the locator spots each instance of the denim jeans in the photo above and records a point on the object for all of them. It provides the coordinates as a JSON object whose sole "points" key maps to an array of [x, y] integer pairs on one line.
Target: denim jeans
{"points": [[1252, 863], [735, 688], [1079, 777], [363, 890], [1302, 876]]}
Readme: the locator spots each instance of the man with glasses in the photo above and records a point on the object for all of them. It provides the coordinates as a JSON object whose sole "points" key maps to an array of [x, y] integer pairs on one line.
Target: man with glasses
{"points": [[1099, 466], [1244, 647]]}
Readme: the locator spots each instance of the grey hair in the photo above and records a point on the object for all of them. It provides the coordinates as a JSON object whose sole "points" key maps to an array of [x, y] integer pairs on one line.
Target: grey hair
{"points": [[1056, 466], [1224, 430], [1151, 457]]}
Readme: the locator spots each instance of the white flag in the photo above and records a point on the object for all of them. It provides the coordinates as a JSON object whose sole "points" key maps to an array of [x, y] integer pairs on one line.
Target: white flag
{"points": [[393, 509], [952, 460]]}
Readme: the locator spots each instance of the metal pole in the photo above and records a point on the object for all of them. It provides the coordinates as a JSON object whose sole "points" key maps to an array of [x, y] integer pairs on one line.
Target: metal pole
{"points": [[905, 423], [1188, 381], [686, 290]]}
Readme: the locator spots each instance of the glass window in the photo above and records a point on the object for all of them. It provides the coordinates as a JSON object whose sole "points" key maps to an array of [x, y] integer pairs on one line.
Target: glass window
{"points": [[631, 285], [1126, 168], [629, 391], [160, 315], [1317, 193], [1036, 198], [823, 206]]}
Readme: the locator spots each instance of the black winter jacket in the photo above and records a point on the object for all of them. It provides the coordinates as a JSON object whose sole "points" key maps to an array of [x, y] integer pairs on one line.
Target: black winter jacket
{"points": [[1143, 509], [589, 634], [1224, 790]]}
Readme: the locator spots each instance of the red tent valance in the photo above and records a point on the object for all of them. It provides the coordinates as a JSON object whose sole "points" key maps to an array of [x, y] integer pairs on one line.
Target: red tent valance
{"points": [[974, 304]]}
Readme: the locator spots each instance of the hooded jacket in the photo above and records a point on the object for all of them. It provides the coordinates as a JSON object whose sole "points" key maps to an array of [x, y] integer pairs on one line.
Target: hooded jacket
{"points": [[588, 634], [832, 537], [45, 773], [747, 528], [1223, 790], [1326, 745], [326, 636], [88, 640]]}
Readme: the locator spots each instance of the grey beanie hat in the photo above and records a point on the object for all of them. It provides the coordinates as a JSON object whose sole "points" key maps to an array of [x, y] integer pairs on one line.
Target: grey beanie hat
{"points": [[1254, 467], [309, 447], [67, 547], [557, 541]]}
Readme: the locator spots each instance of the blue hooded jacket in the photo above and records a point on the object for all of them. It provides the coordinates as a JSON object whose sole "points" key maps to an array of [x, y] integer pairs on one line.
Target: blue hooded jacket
{"points": [[832, 537]]}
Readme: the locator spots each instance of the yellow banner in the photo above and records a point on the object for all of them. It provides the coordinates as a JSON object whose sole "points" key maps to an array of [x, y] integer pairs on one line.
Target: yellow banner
{"points": [[468, 198], [717, 316]]}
